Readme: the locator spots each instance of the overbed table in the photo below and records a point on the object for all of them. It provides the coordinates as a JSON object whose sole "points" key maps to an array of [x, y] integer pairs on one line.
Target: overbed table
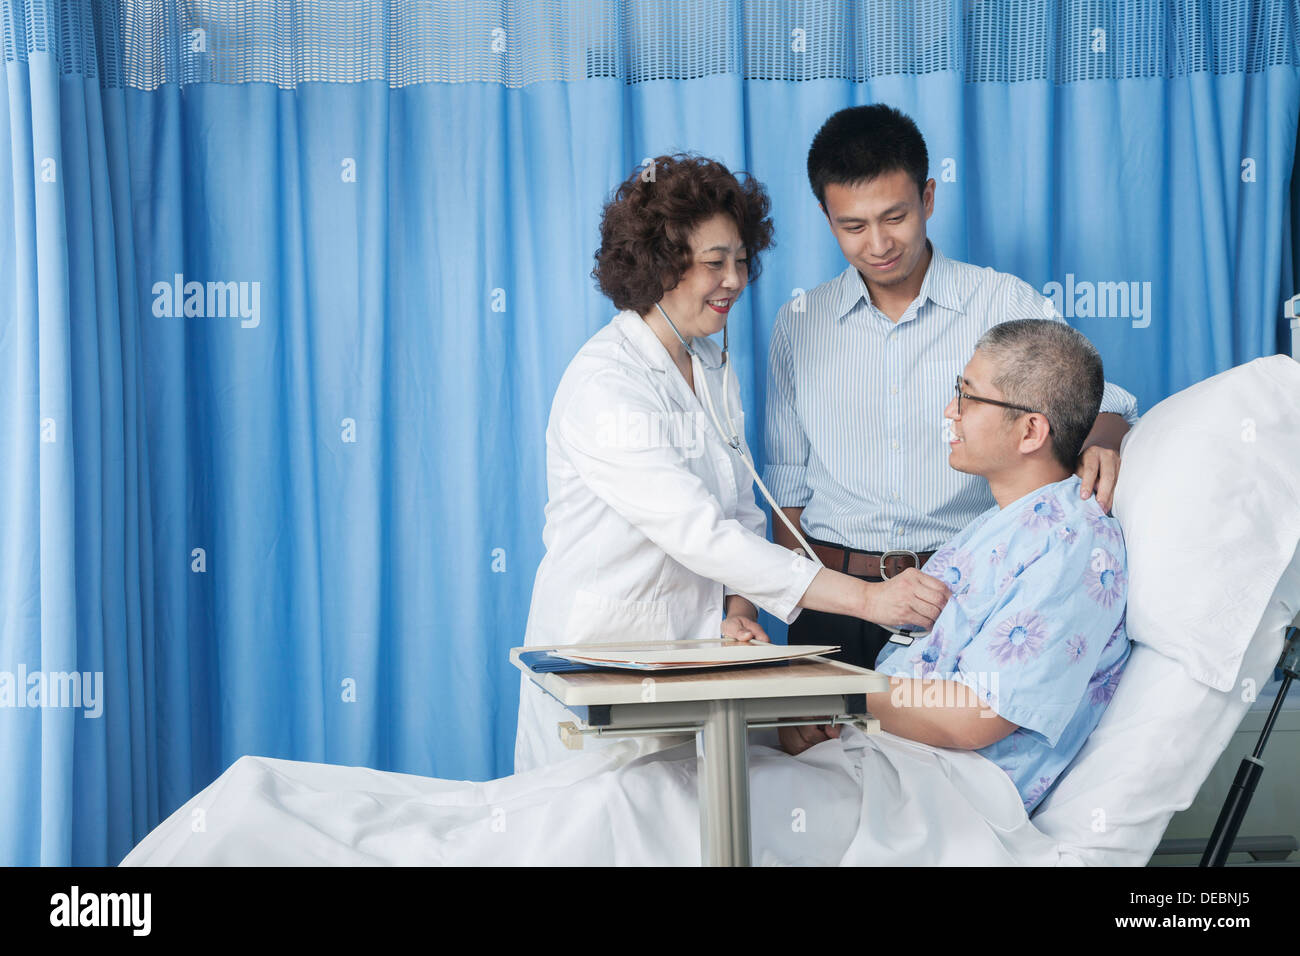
{"points": [[718, 707]]}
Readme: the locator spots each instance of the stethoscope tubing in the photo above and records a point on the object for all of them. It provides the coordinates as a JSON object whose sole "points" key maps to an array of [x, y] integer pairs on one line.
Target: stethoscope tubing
{"points": [[731, 437]]}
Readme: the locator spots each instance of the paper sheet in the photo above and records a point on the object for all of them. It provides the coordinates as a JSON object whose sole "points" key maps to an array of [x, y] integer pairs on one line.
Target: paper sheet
{"points": [[720, 655]]}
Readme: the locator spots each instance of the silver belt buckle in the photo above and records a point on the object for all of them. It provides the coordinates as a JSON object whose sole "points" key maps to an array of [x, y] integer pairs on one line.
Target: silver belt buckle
{"points": [[895, 637], [916, 560]]}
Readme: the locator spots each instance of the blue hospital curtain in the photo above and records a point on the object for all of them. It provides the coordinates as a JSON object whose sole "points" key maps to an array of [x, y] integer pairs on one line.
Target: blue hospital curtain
{"points": [[290, 286]]}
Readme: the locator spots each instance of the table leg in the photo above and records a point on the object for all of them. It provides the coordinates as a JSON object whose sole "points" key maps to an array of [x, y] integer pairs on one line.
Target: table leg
{"points": [[722, 747]]}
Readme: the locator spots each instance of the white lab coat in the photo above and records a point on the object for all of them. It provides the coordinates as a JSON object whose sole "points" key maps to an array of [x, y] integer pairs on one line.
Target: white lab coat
{"points": [[650, 518]]}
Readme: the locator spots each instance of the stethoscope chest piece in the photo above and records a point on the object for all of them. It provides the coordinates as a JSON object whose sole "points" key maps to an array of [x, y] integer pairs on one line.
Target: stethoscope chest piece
{"points": [[902, 638]]}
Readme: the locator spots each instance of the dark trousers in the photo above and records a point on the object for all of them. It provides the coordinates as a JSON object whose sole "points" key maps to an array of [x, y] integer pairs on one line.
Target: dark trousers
{"points": [[860, 641]]}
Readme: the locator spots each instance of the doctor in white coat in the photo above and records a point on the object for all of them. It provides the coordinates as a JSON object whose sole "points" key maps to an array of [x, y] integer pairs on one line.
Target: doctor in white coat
{"points": [[652, 532]]}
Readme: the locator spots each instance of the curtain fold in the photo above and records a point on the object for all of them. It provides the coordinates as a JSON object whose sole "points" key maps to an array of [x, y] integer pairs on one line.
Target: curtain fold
{"points": [[76, 701], [289, 289]]}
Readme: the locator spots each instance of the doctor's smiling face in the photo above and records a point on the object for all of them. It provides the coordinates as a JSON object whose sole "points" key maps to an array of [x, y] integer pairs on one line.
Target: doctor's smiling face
{"points": [[707, 291]]}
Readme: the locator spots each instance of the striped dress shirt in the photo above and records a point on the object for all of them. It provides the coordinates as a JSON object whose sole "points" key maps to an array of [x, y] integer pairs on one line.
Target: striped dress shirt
{"points": [[855, 429]]}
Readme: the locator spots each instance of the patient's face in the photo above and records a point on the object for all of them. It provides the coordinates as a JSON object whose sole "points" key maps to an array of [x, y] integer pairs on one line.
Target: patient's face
{"points": [[985, 441]]}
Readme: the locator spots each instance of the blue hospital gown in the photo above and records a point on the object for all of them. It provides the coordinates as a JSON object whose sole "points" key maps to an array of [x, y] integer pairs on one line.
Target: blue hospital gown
{"points": [[1035, 625]]}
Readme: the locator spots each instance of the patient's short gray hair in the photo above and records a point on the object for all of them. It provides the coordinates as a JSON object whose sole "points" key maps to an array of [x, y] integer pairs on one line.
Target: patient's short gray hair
{"points": [[1048, 366]]}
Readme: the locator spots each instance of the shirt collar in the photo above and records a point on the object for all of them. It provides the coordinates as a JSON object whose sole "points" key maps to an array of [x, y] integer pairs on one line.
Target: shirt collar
{"points": [[943, 285], [644, 338]]}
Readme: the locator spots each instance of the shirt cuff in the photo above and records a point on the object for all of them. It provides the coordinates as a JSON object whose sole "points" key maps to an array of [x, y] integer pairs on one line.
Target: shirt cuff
{"points": [[786, 482], [1026, 720], [1117, 401], [787, 608]]}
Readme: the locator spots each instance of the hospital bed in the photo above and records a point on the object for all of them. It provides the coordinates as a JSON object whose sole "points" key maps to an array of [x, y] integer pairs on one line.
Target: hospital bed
{"points": [[1230, 444], [1209, 500]]}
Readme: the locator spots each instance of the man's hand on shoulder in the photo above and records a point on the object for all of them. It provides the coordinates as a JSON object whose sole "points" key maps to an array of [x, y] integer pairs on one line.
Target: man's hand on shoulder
{"points": [[1098, 467], [1098, 471]]}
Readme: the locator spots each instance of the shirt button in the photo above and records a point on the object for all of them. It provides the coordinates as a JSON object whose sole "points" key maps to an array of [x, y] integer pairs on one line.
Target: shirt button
{"points": [[893, 390], [895, 443], [894, 496]]}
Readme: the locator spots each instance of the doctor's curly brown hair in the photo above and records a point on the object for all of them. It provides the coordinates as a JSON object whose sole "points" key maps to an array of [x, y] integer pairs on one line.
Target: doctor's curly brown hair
{"points": [[645, 227]]}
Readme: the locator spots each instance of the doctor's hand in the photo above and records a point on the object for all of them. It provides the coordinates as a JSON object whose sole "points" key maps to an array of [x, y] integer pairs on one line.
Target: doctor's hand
{"points": [[741, 627], [1098, 471], [911, 598], [795, 740]]}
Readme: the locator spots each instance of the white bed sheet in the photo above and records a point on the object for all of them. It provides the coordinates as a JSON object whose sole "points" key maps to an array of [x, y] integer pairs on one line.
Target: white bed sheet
{"points": [[854, 801], [859, 800], [919, 806]]}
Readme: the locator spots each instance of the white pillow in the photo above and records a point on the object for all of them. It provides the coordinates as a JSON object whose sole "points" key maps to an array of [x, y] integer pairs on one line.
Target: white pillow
{"points": [[1209, 500]]}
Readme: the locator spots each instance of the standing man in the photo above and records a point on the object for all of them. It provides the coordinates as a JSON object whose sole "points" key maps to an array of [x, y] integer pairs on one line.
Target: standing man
{"points": [[860, 374]]}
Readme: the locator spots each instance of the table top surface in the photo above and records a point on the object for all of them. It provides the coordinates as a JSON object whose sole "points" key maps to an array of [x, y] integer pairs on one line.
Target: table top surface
{"points": [[803, 677]]}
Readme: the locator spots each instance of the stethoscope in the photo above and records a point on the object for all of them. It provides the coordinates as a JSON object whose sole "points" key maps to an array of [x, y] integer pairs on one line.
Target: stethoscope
{"points": [[903, 636]]}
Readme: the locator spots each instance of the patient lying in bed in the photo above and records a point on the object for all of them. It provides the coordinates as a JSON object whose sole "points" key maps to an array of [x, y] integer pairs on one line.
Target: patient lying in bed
{"points": [[1028, 651], [983, 716], [1030, 647]]}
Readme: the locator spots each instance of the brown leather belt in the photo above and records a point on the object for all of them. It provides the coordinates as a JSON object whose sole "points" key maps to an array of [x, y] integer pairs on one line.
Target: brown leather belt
{"points": [[866, 564]]}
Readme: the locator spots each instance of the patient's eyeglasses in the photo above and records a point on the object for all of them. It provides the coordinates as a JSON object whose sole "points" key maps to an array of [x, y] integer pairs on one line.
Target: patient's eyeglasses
{"points": [[991, 401]]}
